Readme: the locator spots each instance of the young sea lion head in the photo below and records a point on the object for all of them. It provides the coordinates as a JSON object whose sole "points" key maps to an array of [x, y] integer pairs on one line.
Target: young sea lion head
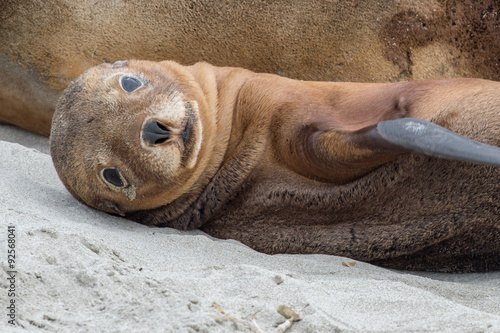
{"points": [[132, 135]]}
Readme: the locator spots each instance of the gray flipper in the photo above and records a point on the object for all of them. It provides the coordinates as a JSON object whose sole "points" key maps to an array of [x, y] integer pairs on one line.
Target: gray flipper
{"points": [[423, 137]]}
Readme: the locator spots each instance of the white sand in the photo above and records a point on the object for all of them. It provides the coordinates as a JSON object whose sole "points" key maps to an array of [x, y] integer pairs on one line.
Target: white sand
{"points": [[83, 270]]}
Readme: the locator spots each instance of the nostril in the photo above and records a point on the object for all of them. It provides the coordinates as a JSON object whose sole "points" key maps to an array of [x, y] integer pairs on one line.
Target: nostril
{"points": [[155, 133]]}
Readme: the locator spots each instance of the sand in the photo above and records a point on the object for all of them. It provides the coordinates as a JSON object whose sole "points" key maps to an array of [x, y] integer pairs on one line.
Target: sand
{"points": [[82, 270]]}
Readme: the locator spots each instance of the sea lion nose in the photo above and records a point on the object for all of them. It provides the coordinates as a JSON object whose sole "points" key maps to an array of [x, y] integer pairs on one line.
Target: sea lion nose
{"points": [[155, 133]]}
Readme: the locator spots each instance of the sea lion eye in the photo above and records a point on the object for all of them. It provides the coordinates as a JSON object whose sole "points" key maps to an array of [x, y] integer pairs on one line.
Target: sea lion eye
{"points": [[112, 176], [130, 84]]}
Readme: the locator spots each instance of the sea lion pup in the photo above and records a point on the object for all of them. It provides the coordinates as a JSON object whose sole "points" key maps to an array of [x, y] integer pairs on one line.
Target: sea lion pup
{"points": [[289, 166]]}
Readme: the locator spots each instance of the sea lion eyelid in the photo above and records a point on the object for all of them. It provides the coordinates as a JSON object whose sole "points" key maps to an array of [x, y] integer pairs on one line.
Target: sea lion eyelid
{"points": [[130, 83]]}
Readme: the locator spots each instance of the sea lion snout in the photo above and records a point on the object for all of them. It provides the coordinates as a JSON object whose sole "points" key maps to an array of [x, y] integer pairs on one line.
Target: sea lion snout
{"points": [[154, 133], [159, 131]]}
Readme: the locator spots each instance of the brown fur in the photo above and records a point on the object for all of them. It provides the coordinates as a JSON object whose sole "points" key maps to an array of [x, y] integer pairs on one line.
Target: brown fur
{"points": [[47, 44], [275, 174]]}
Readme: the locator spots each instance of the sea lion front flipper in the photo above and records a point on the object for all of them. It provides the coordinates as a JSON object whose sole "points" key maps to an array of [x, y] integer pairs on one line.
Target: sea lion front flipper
{"points": [[423, 137], [342, 156]]}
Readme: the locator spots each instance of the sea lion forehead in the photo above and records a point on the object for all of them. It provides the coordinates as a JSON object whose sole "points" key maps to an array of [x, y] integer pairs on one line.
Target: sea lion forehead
{"points": [[146, 69], [126, 89], [162, 80], [145, 72]]}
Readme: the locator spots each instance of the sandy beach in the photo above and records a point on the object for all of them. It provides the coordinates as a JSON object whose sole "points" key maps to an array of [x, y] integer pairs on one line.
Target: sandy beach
{"points": [[77, 269]]}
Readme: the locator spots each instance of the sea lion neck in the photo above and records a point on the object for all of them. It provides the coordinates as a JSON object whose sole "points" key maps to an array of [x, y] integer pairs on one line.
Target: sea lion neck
{"points": [[229, 82]]}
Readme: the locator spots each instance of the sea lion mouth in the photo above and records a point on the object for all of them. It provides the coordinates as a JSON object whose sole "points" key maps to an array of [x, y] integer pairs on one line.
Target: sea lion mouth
{"points": [[188, 134]]}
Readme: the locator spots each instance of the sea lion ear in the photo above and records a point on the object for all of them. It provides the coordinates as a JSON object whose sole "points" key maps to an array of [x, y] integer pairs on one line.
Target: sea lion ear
{"points": [[110, 207], [423, 137], [119, 64]]}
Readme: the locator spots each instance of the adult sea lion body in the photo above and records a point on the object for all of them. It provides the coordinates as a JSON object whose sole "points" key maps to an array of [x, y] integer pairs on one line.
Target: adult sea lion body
{"points": [[289, 166], [47, 44]]}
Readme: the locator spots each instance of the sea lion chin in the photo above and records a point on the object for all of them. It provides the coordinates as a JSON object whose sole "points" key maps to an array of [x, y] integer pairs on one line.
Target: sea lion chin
{"points": [[115, 117]]}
